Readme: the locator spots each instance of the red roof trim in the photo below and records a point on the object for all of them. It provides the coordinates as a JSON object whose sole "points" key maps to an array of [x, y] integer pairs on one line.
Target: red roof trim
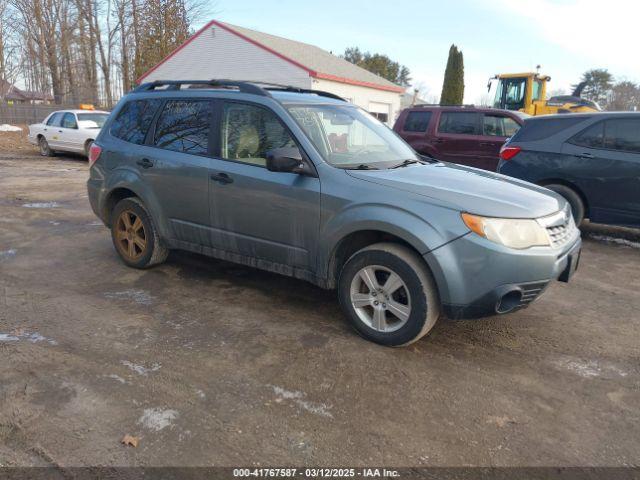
{"points": [[312, 73], [359, 83]]}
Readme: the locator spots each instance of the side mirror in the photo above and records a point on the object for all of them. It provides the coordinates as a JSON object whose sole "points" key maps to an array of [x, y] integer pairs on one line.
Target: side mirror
{"points": [[285, 159]]}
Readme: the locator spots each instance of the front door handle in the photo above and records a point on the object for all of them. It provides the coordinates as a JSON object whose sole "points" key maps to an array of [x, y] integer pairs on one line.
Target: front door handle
{"points": [[585, 155], [221, 178], [437, 140], [145, 163]]}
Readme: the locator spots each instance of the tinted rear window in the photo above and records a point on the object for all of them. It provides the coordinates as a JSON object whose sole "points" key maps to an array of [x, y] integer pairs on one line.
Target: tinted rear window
{"points": [[591, 137], [183, 126], [417, 122], [622, 134], [134, 120], [539, 129], [464, 123]]}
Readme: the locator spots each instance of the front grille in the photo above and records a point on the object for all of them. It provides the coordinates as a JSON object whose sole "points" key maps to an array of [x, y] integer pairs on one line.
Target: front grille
{"points": [[561, 230], [531, 291]]}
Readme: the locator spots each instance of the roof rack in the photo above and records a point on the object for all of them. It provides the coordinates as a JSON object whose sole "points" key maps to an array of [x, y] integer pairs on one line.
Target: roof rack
{"points": [[244, 87], [471, 105]]}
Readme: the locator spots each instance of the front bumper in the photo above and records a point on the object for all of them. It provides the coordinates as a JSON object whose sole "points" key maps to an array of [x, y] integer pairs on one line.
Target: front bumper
{"points": [[478, 278]]}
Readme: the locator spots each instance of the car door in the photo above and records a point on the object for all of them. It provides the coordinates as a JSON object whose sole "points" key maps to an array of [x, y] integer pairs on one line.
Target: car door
{"points": [[414, 130], [68, 132], [496, 128], [53, 129], [456, 138], [271, 216], [606, 161], [174, 163]]}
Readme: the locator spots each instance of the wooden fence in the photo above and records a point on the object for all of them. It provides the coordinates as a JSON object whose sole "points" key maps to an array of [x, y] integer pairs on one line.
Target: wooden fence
{"points": [[27, 114]]}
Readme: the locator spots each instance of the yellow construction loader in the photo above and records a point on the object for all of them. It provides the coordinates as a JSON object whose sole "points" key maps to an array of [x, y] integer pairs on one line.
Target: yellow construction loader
{"points": [[527, 92]]}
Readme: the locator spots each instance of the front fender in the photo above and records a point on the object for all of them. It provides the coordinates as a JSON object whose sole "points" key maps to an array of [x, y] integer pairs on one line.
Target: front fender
{"points": [[418, 232]]}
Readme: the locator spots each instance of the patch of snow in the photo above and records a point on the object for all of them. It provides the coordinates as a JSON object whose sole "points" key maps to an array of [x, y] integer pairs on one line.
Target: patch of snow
{"points": [[9, 128], [29, 337], [157, 419], [298, 398], [8, 253], [41, 205], [54, 223], [141, 369], [139, 296], [619, 241], [200, 393], [590, 368], [117, 378], [5, 337], [95, 223]]}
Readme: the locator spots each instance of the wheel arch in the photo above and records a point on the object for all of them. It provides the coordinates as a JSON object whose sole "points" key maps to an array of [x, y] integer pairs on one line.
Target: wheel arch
{"points": [[568, 184], [357, 240]]}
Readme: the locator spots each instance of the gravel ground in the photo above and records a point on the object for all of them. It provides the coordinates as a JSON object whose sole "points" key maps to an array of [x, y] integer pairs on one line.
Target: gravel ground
{"points": [[210, 363]]}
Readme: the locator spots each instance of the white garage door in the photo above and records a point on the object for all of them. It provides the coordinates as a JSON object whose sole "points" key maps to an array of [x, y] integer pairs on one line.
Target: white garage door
{"points": [[380, 110]]}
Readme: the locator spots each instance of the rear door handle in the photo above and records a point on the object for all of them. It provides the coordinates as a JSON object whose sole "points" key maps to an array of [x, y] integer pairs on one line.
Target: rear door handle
{"points": [[145, 163], [585, 155], [221, 178], [486, 144], [437, 140]]}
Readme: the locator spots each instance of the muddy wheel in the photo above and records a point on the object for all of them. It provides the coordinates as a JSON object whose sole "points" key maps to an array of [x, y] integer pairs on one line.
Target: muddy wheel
{"points": [[388, 294], [134, 236], [45, 150]]}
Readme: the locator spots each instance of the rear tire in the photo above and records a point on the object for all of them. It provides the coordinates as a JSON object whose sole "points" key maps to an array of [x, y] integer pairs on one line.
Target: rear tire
{"points": [[134, 235], [388, 294], [45, 149], [570, 195]]}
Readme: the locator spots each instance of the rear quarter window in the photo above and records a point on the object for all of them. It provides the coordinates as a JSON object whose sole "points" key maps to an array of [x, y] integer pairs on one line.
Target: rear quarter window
{"points": [[539, 129], [417, 122], [134, 119]]}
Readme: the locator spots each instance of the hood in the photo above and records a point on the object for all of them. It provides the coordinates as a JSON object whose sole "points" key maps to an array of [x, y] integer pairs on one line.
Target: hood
{"points": [[468, 189]]}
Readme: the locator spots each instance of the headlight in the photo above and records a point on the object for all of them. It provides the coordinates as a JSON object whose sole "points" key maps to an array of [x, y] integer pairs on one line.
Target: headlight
{"points": [[510, 232]]}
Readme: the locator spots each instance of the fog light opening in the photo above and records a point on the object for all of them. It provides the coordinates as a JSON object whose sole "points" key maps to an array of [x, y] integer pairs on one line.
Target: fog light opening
{"points": [[509, 301]]}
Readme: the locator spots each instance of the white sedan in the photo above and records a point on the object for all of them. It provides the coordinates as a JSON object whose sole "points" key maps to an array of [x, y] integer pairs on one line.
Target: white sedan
{"points": [[67, 130]]}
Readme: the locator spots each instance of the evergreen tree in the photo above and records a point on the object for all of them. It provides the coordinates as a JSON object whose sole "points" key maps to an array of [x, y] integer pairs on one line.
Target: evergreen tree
{"points": [[599, 85], [453, 86], [379, 64]]}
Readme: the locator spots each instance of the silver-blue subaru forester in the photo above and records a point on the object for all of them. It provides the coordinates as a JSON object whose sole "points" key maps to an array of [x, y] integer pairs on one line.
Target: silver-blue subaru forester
{"points": [[303, 183]]}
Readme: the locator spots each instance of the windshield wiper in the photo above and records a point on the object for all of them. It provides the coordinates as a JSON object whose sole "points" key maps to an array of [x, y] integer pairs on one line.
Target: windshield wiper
{"points": [[406, 162]]}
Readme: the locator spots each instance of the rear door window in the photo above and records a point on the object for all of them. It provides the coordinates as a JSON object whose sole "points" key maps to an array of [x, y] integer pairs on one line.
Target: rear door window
{"points": [[69, 121], [622, 134], [499, 126], [417, 122], [591, 137], [55, 119], [462, 123], [184, 126], [134, 120]]}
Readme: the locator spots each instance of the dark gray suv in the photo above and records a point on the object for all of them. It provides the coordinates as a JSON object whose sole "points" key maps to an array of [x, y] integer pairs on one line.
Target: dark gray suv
{"points": [[305, 184]]}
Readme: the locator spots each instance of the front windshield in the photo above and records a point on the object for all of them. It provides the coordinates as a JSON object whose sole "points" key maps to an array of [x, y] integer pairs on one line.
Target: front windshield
{"points": [[92, 120], [348, 137]]}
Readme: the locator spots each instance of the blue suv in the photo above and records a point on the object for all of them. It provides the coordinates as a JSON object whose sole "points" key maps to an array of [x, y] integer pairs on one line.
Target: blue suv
{"points": [[303, 183]]}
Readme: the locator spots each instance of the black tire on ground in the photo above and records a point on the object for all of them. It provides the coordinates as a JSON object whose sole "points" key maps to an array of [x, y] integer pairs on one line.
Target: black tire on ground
{"points": [[45, 149], [153, 252], [571, 196], [422, 291], [87, 147]]}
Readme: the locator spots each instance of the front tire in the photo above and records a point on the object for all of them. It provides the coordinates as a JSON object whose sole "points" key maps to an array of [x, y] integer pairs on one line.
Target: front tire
{"points": [[45, 149], [570, 195], [388, 294], [134, 235]]}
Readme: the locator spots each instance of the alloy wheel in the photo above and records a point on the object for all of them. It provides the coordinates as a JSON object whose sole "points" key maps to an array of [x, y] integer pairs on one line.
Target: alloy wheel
{"points": [[131, 237], [380, 298]]}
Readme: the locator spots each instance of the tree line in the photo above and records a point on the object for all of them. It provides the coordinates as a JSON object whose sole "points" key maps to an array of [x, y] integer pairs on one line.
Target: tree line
{"points": [[611, 94], [88, 50]]}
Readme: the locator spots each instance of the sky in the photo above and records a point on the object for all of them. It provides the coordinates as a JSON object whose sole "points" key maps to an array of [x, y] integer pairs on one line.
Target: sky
{"points": [[565, 37]]}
